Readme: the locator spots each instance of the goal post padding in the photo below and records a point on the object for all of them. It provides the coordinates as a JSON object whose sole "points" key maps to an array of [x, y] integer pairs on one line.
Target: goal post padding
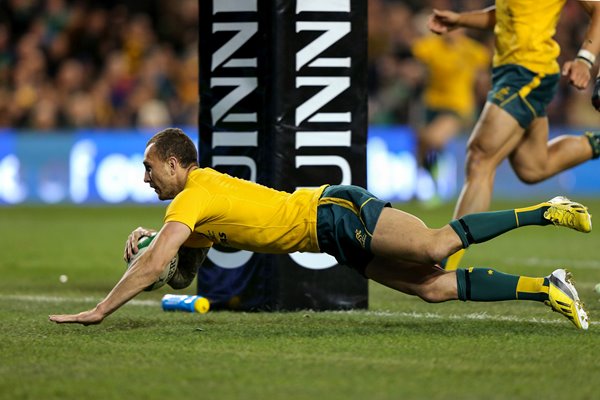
{"points": [[283, 102]]}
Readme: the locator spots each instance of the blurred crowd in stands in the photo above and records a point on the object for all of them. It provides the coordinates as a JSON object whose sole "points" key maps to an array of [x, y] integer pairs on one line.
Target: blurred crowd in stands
{"points": [[84, 63], [80, 64]]}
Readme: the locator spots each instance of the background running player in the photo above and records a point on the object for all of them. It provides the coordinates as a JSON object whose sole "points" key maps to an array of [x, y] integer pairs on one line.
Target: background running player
{"points": [[513, 124], [449, 95]]}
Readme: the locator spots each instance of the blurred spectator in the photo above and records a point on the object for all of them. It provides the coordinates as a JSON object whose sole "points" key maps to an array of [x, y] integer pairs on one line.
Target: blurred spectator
{"points": [[79, 63], [448, 98], [83, 63]]}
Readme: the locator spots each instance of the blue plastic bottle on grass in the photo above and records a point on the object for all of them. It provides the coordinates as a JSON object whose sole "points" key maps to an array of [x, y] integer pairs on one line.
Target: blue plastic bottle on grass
{"points": [[182, 302]]}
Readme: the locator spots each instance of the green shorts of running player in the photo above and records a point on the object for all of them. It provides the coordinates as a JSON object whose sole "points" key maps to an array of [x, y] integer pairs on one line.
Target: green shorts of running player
{"points": [[522, 93], [432, 113], [346, 219]]}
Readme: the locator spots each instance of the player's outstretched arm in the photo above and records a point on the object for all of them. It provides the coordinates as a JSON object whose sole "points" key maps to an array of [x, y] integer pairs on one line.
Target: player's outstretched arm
{"points": [[143, 272], [579, 69], [443, 21], [591, 44]]}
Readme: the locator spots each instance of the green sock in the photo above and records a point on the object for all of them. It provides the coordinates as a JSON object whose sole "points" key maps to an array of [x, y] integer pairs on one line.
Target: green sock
{"points": [[480, 227], [486, 284], [594, 139]]}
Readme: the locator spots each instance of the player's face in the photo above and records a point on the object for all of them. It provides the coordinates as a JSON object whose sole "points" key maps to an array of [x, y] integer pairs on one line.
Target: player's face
{"points": [[159, 175]]}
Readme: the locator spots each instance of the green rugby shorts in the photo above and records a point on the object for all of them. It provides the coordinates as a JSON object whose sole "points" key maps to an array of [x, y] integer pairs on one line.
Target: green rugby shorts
{"points": [[346, 219], [522, 93]]}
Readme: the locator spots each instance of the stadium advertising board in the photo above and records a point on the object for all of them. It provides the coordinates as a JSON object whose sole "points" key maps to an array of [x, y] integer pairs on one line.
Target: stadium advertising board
{"points": [[97, 167], [104, 167]]}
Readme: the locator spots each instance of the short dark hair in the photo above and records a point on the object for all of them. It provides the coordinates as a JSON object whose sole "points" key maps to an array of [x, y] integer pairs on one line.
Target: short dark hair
{"points": [[173, 142]]}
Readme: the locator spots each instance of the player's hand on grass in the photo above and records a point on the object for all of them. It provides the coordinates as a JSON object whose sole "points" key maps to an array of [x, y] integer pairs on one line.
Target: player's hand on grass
{"points": [[442, 21], [91, 317], [132, 240], [578, 72]]}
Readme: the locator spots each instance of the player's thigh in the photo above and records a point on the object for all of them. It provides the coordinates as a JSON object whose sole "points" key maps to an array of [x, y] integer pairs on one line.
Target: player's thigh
{"points": [[532, 152], [495, 135], [425, 280], [402, 236], [398, 232]]}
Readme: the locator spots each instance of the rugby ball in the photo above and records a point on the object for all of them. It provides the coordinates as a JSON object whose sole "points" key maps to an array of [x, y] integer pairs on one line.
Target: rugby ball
{"points": [[168, 270]]}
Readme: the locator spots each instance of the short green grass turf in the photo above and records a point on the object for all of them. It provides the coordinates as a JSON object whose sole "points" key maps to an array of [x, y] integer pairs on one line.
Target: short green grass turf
{"points": [[400, 348]]}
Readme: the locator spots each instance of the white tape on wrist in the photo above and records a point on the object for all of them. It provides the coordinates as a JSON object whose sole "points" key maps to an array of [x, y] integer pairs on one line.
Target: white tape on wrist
{"points": [[587, 55]]}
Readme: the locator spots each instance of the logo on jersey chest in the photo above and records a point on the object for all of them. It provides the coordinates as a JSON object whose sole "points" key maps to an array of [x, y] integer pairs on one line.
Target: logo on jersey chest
{"points": [[217, 237]]}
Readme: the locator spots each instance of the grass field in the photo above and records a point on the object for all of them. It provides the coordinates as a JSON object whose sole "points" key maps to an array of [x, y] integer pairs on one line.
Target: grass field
{"points": [[401, 348]]}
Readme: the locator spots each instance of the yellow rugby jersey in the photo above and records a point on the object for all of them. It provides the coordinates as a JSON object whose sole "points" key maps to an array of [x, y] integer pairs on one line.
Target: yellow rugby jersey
{"points": [[221, 209], [453, 67], [524, 34]]}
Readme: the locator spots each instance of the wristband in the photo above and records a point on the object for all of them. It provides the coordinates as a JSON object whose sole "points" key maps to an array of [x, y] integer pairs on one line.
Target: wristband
{"points": [[587, 55], [586, 61]]}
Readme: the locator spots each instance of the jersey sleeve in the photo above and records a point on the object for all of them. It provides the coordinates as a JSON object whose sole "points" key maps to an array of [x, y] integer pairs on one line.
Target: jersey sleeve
{"points": [[186, 208]]}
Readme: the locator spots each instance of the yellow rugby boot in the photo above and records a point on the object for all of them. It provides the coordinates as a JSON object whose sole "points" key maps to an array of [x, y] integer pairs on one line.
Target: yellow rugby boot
{"points": [[564, 212], [563, 298]]}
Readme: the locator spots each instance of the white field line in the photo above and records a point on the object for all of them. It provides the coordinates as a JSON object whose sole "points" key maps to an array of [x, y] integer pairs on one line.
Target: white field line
{"points": [[80, 299], [408, 315], [553, 262], [471, 317]]}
